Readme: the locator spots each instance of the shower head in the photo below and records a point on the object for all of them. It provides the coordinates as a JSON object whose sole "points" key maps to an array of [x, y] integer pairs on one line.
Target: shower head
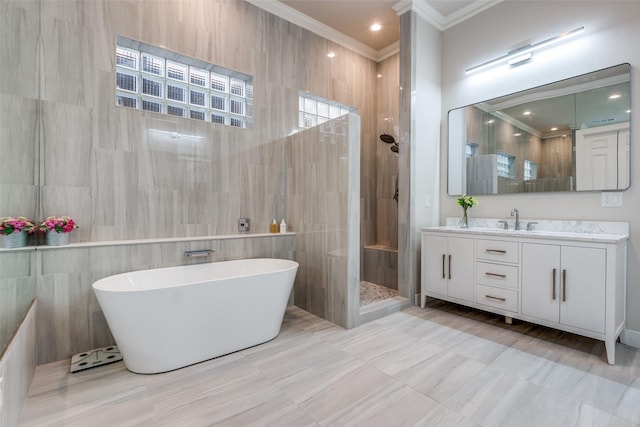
{"points": [[386, 138]]}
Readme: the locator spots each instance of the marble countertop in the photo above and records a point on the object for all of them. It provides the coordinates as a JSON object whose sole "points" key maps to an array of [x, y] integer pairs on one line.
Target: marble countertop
{"points": [[581, 231]]}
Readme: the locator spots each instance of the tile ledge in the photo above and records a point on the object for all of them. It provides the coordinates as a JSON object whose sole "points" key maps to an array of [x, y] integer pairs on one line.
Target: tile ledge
{"points": [[155, 240]]}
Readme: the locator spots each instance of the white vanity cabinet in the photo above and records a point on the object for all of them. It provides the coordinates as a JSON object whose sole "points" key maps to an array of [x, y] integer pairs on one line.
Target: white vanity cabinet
{"points": [[565, 284], [448, 266], [568, 281]]}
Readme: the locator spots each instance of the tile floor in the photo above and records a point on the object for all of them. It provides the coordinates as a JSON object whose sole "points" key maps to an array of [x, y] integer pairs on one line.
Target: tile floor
{"points": [[445, 365]]}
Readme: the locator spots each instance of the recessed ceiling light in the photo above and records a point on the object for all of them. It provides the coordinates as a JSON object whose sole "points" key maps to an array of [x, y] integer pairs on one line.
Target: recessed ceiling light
{"points": [[554, 129], [526, 113], [379, 75], [628, 111], [331, 54], [490, 121], [375, 27], [615, 96], [517, 134]]}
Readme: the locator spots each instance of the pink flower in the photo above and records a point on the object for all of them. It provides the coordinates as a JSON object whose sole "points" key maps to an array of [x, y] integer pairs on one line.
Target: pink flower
{"points": [[63, 224]]}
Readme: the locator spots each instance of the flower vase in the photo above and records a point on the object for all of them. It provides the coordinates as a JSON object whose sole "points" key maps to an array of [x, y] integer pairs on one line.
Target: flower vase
{"points": [[57, 239], [464, 221], [13, 240]]}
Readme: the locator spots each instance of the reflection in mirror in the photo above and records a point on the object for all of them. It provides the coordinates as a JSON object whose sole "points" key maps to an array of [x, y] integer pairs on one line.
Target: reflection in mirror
{"points": [[571, 135]]}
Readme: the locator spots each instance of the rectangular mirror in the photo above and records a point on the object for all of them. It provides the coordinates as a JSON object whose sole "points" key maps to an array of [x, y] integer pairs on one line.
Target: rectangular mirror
{"points": [[571, 135]]}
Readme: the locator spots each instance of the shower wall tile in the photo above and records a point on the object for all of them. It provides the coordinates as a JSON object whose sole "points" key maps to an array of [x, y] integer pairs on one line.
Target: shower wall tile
{"points": [[66, 148], [325, 216], [19, 49], [19, 136], [405, 235], [67, 75], [186, 186]]}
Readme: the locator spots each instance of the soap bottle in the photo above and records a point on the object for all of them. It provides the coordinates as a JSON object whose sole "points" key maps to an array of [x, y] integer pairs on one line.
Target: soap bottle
{"points": [[283, 226], [274, 226]]}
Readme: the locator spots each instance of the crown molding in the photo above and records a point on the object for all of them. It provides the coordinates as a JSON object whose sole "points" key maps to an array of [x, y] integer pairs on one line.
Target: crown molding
{"points": [[291, 15], [421, 7], [388, 51], [435, 18]]}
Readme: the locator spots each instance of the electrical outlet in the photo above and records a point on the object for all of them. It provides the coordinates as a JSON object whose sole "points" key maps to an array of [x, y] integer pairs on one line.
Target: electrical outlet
{"points": [[244, 225], [612, 199]]}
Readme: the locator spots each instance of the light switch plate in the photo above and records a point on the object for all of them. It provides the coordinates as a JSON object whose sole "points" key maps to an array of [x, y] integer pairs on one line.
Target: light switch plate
{"points": [[612, 199]]}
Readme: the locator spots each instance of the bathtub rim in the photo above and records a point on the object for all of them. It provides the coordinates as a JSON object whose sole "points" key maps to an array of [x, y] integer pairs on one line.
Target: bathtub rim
{"points": [[98, 285]]}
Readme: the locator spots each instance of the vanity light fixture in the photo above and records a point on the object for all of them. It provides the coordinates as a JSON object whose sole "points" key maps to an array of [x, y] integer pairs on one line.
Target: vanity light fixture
{"points": [[375, 27], [524, 54]]}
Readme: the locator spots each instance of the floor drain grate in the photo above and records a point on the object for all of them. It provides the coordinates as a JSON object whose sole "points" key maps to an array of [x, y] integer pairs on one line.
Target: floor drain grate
{"points": [[93, 358]]}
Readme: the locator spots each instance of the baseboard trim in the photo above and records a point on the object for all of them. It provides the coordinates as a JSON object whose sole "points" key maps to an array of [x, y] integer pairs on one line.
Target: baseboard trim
{"points": [[631, 338]]}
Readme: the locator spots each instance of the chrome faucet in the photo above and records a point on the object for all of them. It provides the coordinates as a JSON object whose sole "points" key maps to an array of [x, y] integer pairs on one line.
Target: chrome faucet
{"points": [[514, 212]]}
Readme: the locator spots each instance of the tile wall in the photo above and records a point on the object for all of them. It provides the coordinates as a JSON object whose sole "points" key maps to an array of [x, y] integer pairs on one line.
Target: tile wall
{"points": [[323, 197]]}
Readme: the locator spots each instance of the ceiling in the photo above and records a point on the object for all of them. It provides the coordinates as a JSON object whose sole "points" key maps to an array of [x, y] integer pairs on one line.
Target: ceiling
{"points": [[347, 22]]}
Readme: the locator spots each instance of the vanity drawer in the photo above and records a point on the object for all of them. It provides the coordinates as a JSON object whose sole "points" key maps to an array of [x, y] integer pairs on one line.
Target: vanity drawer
{"points": [[505, 299], [497, 274], [497, 250]]}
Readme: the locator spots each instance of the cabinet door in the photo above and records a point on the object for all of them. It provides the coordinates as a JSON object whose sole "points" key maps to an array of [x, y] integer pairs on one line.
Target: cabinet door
{"points": [[460, 264], [434, 255], [540, 281], [583, 288]]}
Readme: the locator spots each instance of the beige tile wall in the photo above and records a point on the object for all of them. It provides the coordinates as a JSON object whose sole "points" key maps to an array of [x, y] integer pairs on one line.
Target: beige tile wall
{"points": [[105, 165], [323, 197]]}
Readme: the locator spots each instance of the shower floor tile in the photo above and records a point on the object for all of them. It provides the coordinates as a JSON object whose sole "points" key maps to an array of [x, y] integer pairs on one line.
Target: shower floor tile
{"points": [[370, 293]]}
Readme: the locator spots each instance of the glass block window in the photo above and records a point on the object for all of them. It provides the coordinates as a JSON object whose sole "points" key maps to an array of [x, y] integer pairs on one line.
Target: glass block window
{"points": [[217, 118], [152, 87], [152, 65], [126, 81], [176, 92], [218, 102], [530, 170], [176, 71], [506, 165], [146, 79], [151, 105], [175, 110], [127, 58], [313, 110], [198, 97]]}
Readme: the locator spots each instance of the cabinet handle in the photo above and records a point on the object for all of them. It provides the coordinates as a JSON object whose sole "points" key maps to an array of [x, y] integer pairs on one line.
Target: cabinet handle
{"points": [[564, 285], [503, 276], [553, 289], [495, 298], [443, 257], [449, 266], [495, 251]]}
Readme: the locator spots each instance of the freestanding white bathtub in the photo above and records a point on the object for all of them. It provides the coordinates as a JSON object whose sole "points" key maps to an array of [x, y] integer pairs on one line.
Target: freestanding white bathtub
{"points": [[168, 318]]}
